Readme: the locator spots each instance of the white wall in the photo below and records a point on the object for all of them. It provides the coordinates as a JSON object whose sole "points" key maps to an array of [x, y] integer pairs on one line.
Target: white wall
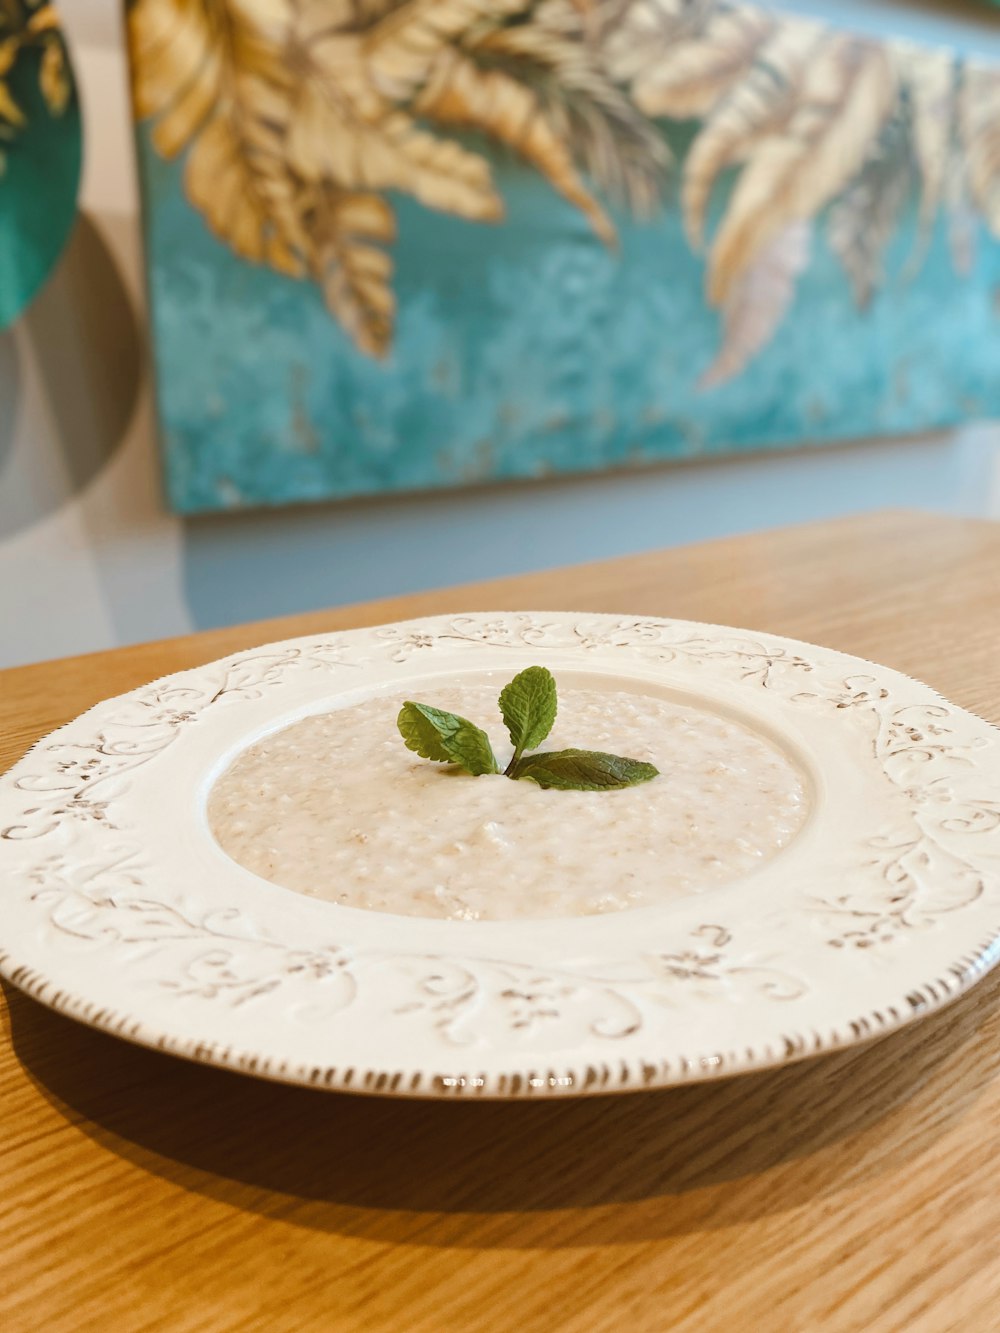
{"points": [[90, 558]]}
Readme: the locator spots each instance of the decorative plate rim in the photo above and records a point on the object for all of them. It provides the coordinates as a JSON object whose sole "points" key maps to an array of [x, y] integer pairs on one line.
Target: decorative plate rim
{"points": [[959, 930]]}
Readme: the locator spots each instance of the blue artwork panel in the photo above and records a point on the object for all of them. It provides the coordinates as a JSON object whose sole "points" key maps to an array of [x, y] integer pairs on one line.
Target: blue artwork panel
{"points": [[404, 246]]}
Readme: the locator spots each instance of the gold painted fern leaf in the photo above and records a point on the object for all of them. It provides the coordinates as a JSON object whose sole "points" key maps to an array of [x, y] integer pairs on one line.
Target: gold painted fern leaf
{"points": [[211, 76], [401, 50], [755, 107], [26, 24], [845, 95], [979, 113], [354, 271], [863, 221], [11, 115], [463, 95], [758, 301], [618, 147], [685, 79], [930, 81]]}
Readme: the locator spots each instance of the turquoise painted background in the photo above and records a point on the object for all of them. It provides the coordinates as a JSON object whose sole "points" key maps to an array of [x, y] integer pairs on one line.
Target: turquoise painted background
{"points": [[527, 349]]}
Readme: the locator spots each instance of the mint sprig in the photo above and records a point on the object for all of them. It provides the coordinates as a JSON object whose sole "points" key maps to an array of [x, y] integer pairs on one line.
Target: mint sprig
{"points": [[529, 705]]}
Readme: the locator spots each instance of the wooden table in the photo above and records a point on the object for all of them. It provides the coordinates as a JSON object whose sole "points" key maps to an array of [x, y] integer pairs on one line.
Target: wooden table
{"points": [[856, 1192]]}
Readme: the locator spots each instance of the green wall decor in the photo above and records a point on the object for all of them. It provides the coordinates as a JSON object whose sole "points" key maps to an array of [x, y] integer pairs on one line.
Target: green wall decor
{"points": [[40, 150]]}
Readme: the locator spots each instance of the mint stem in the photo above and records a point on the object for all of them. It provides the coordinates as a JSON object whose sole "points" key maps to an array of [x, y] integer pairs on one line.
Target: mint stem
{"points": [[514, 761]]}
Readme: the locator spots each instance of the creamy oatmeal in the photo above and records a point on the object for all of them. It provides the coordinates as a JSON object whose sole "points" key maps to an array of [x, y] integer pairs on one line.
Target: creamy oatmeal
{"points": [[336, 807]]}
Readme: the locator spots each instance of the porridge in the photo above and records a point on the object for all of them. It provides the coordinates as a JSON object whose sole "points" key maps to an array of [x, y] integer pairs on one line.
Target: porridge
{"points": [[335, 806]]}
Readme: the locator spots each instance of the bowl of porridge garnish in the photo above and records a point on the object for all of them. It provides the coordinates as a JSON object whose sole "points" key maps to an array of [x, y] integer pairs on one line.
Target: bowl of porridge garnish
{"points": [[507, 855]]}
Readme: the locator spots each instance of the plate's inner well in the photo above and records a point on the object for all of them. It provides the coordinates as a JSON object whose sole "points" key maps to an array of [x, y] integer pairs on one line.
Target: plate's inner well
{"points": [[334, 806]]}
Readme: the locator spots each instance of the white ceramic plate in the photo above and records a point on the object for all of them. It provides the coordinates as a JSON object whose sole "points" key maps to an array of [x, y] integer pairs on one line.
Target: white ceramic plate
{"points": [[121, 910]]}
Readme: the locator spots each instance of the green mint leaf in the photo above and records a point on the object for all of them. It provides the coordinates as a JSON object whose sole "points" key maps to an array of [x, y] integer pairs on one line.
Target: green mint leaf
{"points": [[528, 705], [471, 748], [583, 770], [422, 727], [446, 738]]}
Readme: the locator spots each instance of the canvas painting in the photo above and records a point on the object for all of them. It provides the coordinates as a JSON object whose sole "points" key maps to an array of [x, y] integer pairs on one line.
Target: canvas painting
{"points": [[398, 246]]}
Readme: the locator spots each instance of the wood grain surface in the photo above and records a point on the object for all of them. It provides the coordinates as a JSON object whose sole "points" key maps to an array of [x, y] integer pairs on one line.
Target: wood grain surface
{"points": [[856, 1193]]}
